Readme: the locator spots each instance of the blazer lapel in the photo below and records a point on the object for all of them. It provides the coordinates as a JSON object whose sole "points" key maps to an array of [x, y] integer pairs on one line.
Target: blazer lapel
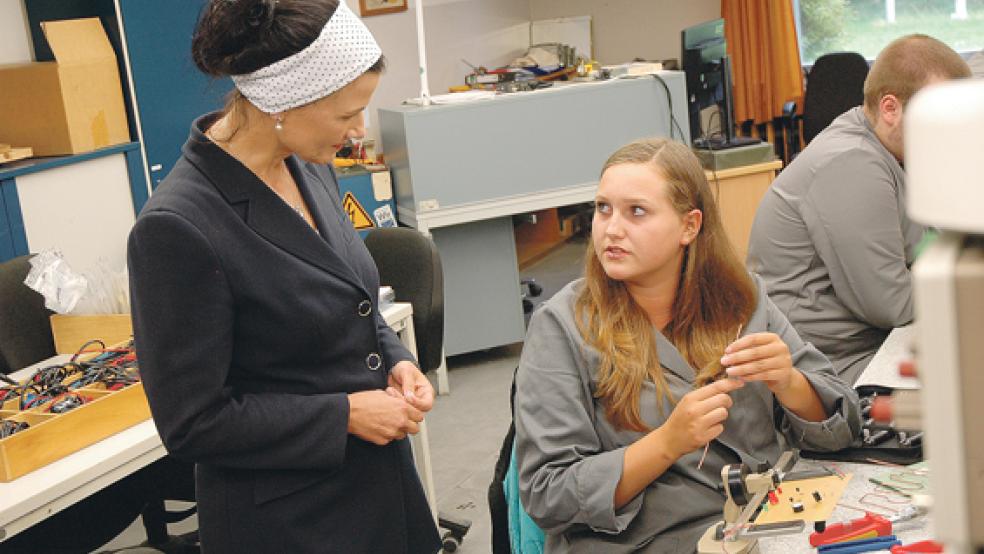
{"points": [[266, 213], [670, 358]]}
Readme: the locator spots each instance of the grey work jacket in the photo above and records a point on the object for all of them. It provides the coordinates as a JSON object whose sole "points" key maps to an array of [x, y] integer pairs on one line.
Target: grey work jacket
{"points": [[834, 244], [570, 457]]}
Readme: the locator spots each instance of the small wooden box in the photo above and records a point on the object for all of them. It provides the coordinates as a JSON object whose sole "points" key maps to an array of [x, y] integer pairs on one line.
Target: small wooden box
{"points": [[72, 331], [54, 436]]}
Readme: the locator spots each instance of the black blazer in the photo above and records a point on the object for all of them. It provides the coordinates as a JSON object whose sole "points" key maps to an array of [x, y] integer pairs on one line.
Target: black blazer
{"points": [[251, 328]]}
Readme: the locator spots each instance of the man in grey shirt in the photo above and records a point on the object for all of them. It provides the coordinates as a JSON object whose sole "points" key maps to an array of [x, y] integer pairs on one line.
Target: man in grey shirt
{"points": [[831, 238]]}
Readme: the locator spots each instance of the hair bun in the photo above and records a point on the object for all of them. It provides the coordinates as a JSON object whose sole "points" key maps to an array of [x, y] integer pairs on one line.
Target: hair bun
{"points": [[234, 37], [261, 13]]}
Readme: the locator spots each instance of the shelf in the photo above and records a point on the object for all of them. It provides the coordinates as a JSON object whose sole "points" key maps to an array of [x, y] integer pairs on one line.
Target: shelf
{"points": [[34, 165]]}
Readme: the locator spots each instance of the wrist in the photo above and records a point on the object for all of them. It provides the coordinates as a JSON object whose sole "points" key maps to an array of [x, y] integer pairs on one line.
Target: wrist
{"points": [[789, 395], [352, 409], [782, 388], [662, 445]]}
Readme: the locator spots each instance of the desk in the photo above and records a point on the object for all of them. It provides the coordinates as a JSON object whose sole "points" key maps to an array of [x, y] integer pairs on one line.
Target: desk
{"points": [[908, 532], [738, 191], [56, 486], [883, 369]]}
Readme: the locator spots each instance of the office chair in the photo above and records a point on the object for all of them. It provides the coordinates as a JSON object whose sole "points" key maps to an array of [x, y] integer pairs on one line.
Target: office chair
{"points": [[408, 261], [833, 86], [25, 331], [498, 506], [25, 338]]}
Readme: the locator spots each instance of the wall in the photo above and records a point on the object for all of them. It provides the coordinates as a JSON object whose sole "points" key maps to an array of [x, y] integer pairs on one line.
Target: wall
{"points": [[92, 205], [484, 32], [15, 44], [626, 29]]}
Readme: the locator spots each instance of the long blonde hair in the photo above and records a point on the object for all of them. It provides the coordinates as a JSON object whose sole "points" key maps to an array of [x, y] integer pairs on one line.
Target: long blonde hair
{"points": [[715, 295]]}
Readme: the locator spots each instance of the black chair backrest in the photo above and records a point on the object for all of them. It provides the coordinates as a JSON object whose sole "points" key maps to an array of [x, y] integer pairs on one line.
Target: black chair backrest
{"points": [[833, 86], [498, 507], [25, 330], [408, 261]]}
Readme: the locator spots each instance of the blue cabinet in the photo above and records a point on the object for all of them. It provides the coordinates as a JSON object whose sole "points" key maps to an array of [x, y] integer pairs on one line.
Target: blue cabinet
{"points": [[367, 199], [169, 90]]}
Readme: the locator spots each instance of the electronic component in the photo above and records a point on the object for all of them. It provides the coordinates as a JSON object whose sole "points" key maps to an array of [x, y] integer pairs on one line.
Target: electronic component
{"points": [[66, 403], [8, 427]]}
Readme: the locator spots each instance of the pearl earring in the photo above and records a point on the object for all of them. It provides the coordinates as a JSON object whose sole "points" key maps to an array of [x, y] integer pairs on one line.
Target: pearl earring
{"points": [[279, 125]]}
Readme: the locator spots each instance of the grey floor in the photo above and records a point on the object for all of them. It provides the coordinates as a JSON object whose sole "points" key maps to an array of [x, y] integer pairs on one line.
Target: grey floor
{"points": [[466, 427]]}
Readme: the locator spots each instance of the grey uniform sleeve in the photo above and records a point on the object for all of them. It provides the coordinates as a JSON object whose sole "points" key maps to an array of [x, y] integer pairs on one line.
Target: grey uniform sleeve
{"points": [[566, 478], [852, 216], [839, 400]]}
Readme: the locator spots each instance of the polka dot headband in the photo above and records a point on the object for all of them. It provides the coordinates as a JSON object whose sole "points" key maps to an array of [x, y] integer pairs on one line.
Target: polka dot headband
{"points": [[343, 51]]}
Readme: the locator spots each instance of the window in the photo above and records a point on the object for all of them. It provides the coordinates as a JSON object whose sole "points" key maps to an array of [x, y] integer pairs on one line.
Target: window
{"points": [[866, 26]]}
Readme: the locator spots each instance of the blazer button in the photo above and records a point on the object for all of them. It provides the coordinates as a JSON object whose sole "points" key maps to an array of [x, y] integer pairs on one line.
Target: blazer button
{"points": [[365, 308], [373, 361]]}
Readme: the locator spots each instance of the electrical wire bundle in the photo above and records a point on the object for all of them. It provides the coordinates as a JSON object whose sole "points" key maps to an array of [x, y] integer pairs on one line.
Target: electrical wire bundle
{"points": [[114, 368]]}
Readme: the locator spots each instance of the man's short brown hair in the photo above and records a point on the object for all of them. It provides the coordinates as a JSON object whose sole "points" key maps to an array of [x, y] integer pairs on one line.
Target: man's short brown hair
{"points": [[906, 65]]}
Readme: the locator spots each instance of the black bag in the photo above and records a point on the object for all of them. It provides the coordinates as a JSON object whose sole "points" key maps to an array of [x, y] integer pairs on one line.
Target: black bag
{"points": [[879, 442]]}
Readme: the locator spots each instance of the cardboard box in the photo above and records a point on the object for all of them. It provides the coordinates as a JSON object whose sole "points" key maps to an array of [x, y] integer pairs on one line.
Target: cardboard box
{"points": [[71, 105]]}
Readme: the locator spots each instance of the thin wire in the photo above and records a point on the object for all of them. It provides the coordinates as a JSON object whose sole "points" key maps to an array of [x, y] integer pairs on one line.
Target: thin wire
{"points": [[669, 102], [882, 462], [702, 456], [909, 476], [835, 469], [865, 510]]}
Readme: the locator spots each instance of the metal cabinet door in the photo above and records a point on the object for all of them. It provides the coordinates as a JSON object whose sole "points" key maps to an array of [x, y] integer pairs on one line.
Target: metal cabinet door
{"points": [[170, 91]]}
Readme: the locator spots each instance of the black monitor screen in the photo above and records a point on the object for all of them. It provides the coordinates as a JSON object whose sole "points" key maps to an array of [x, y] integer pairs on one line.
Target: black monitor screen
{"points": [[703, 51]]}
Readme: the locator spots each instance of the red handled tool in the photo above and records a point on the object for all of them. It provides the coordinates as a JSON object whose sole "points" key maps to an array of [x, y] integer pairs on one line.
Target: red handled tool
{"points": [[869, 526], [921, 546]]}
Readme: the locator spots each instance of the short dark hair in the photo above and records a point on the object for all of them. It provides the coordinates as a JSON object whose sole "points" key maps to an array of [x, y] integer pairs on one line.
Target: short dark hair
{"points": [[235, 37], [907, 64]]}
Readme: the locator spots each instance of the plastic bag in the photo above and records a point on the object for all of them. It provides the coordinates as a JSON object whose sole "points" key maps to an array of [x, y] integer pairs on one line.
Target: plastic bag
{"points": [[55, 281], [100, 291]]}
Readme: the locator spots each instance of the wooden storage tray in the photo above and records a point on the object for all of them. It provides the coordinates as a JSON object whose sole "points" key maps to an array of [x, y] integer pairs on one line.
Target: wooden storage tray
{"points": [[71, 331], [54, 436]]}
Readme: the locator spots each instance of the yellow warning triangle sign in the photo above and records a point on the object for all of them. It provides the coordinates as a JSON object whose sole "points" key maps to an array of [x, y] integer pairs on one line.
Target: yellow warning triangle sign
{"points": [[360, 218]]}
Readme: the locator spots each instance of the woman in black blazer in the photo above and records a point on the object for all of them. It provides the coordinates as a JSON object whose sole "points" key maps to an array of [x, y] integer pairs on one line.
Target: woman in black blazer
{"points": [[262, 350]]}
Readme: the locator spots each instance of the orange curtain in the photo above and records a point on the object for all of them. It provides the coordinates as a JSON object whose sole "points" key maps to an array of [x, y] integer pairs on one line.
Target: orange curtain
{"points": [[765, 58]]}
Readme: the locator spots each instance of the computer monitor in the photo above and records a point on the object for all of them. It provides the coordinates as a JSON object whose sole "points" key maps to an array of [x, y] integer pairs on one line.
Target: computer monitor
{"points": [[704, 59]]}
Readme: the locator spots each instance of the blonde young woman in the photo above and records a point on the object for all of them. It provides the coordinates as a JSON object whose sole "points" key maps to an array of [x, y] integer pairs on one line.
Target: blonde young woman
{"points": [[628, 373]]}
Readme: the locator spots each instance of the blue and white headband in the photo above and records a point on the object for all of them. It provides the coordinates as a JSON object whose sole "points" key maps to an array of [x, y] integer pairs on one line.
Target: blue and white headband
{"points": [[343, 51]]}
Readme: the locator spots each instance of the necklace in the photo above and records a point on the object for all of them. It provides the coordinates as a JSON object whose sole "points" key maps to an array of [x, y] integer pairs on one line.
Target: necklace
{"points": [[296, 207]]}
